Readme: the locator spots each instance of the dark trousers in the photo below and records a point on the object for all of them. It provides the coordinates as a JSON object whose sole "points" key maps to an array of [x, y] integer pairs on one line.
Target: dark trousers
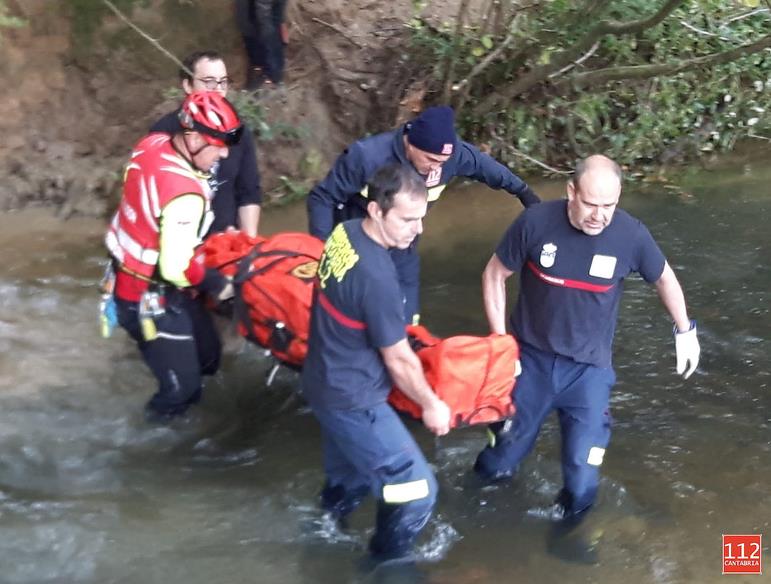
{"points": [[580, 393], [260, 23], [186, 348], [370, 451]]}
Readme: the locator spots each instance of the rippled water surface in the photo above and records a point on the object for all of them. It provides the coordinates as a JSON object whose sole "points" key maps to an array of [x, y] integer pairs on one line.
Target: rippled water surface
{"points": [[89, 492]]}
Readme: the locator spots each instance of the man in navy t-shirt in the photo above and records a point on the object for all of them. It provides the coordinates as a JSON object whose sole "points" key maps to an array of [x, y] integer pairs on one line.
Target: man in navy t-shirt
{"points": [[572, 257], [356, 351]]}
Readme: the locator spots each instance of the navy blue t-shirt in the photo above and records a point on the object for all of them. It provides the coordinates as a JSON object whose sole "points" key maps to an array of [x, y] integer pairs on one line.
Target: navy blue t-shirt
{"points": [[570, 282], [358, 309]]}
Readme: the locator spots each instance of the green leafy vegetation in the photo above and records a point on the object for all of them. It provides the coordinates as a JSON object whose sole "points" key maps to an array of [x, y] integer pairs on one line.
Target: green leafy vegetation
{"points": [[288, 191], [644, 82], [254, 115], [8, 21], [86, 17]]}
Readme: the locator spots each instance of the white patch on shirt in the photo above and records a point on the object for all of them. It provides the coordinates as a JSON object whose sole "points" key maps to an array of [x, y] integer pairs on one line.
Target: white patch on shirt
{"points": [[548, 255], [603, 266]]}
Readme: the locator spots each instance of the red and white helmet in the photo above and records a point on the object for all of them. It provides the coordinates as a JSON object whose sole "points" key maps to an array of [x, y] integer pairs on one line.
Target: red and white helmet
{"points": [[213, 116]]}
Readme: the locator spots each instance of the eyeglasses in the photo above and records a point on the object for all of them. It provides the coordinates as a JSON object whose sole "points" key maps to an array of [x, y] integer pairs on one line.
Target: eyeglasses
{"points": [[212, 83]]}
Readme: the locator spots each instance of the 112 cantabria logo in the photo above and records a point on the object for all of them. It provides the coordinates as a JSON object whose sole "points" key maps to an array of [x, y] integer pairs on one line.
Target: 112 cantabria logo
{"points": [[742, 554]]}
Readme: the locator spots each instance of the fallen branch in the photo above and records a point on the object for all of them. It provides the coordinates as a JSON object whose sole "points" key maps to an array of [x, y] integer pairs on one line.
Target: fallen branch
{"points": [[600, 76], [578, 61], [752, 134], [521, 154], [516, 152], [449, 62], [703, 32], [637, 26], [293, 18], [743, 16], [147, 37], [479, 67], [541, 73], [340, 32]]}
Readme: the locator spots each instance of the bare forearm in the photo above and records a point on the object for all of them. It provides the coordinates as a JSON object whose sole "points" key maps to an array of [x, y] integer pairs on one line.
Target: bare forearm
{"points": [[407, 374], [672, 297], [494, 293], [249, 219]]}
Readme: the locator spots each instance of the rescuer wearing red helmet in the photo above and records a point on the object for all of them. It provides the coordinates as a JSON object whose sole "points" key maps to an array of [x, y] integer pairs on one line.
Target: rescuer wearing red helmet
{"points": [[163, 213]]}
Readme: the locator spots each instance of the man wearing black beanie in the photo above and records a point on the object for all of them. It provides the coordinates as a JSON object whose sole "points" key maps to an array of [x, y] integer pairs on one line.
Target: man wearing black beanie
{"points": [[430, 145]]}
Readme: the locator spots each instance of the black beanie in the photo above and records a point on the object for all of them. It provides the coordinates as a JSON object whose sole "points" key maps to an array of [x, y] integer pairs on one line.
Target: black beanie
{"points": [[433, 130]]}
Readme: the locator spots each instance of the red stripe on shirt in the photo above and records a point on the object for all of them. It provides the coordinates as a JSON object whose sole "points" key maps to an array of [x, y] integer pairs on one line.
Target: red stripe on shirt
{"points": [[346, 321], [565, 283]]}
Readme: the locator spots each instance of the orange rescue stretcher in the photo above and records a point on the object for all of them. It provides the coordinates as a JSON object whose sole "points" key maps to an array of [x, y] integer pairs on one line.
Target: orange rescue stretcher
{"points": [[274, 279]]}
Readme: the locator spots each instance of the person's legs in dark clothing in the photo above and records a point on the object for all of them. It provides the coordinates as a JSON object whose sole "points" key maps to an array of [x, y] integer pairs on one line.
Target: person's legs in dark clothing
{"points": [[207, 339], [279, 15], [174, 356], [345, 487], [585, 426], [254, 52], [246, 18], [511, 442], [266, 14], [376, 444]]}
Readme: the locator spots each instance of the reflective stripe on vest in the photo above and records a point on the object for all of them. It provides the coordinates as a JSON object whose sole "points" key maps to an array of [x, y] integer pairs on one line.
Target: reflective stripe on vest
{"points": [[565, 283], [330, 309], [154, 177], [119, 241]]}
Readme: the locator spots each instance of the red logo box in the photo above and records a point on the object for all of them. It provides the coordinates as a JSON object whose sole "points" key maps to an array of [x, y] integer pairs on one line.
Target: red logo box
{"points": [[742, 554]]}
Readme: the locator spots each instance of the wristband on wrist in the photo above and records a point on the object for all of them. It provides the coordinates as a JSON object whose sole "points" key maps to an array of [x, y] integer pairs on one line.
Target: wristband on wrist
{"points": [[675, 331]]}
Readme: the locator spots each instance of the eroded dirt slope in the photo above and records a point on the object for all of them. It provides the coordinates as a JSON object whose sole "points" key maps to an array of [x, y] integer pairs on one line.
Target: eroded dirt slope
{"points": [[82, 88]]}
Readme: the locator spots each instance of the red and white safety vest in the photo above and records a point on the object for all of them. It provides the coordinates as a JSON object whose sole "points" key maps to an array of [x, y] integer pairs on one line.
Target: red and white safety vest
{"points": [[155, 175]]}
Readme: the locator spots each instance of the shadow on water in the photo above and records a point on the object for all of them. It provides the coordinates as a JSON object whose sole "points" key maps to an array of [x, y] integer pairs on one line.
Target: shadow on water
{"points": [[89, 492]]}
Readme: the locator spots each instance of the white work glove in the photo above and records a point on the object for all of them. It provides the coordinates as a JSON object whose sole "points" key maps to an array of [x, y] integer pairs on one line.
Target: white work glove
{"points": [[687, 350]]}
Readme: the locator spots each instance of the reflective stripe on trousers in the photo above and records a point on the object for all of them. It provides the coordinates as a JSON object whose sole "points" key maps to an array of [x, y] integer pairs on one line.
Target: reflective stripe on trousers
{"points": [[371, 451], [580, 394]]}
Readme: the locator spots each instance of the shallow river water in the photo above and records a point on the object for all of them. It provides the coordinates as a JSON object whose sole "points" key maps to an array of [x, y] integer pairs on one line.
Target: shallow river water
{"points": [[90, 493]]}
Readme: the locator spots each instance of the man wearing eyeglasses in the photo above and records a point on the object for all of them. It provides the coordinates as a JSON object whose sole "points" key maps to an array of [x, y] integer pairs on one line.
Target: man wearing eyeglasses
{"points": [[235, 180]]}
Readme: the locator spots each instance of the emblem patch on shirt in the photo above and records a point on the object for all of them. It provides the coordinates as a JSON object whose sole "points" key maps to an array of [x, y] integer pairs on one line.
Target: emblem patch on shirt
{"points": [[339, 256], [602, 266], [434, 177], [548, 255]]}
